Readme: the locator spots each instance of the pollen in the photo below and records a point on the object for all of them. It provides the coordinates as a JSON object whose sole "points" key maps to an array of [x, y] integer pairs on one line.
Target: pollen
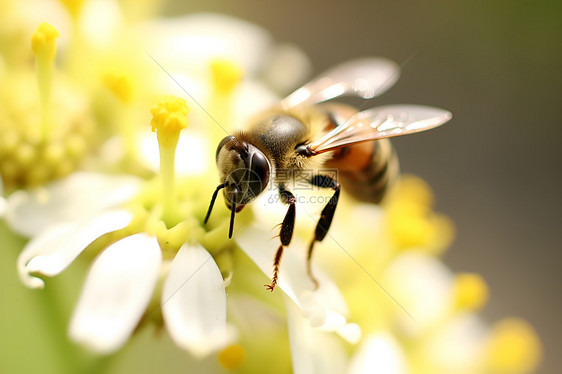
{"points": [[225, 75], [43, 42], [471, 291], [232, 356], [26, 158], [169, 117], [514, 347]]}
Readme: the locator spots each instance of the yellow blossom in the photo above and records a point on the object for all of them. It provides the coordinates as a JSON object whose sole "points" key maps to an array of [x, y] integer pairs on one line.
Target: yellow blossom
{"points": [[514, 347], [411, 221], [471, 291]]}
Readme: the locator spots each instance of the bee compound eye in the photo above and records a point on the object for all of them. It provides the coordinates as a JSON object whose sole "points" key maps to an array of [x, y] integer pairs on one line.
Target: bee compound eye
{"points": [[222, 143], [259, 174]]}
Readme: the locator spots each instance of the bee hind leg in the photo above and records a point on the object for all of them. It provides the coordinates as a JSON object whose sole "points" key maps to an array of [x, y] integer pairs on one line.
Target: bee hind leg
{"points": [[326, 217], [285, 234]]}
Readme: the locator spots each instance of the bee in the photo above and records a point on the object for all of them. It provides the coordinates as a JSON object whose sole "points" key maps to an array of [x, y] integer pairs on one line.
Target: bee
{"points": [[305, 131]]}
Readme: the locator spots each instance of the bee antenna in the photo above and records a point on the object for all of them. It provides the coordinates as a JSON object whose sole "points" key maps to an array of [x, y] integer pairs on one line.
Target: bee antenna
{"points": [[219, 187], [232, 213]]}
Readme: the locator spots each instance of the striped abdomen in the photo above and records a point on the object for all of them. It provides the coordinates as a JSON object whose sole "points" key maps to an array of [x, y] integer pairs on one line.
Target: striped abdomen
{"points": [[366, 170]]}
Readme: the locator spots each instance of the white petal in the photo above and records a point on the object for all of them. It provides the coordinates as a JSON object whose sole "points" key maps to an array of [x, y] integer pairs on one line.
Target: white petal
{"points": [[76, 197], [380, 353], [101, 21], [194, 302], [116, 293], [423, 286], [252, 97], [457, 344], [312, 351], [287, 68], [325, 307], [188, 43], [54, 249]]}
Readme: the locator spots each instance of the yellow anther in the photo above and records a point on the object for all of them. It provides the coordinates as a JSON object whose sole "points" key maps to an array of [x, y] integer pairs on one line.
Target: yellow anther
{"points": [[415, 189], [225, 75], [514, 347], [232, 356], [471, 291], [169, 117], [120, 86], [73, 6], [43, 42], [410, 230], [411, 220]]}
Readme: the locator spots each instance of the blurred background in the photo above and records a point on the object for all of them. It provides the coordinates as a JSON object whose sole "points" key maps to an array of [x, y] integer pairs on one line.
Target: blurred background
{"points": [[496, 167]]}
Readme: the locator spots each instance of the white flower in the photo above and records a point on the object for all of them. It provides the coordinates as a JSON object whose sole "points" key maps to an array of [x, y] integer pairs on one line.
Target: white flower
{"points": [[65, 217], [189, 43], [185, 48], [122, 279]]}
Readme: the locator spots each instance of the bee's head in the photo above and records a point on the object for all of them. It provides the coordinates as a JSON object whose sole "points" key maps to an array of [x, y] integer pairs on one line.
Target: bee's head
{"points": [[244, 173]]}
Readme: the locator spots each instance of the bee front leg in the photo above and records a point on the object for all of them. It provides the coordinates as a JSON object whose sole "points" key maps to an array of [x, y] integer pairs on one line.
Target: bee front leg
{"points": [[326, 217], [286, 233]]}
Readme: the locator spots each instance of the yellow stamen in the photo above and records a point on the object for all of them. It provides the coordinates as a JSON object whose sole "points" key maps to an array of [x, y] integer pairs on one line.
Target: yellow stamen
{"points": [[169, 117], [225, 75], [120, 86], [44, 47], [514, 347], [471, 291], [232, 356], [73, 6], [43, 42]]}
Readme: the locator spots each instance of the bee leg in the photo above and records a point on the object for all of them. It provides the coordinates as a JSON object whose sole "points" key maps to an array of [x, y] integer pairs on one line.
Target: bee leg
{"points": [[286, 233], [326, 217]]}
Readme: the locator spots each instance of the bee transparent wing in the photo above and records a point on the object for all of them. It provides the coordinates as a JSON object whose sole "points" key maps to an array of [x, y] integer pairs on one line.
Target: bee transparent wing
{"points": [[381, 122], [365, 78]]}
